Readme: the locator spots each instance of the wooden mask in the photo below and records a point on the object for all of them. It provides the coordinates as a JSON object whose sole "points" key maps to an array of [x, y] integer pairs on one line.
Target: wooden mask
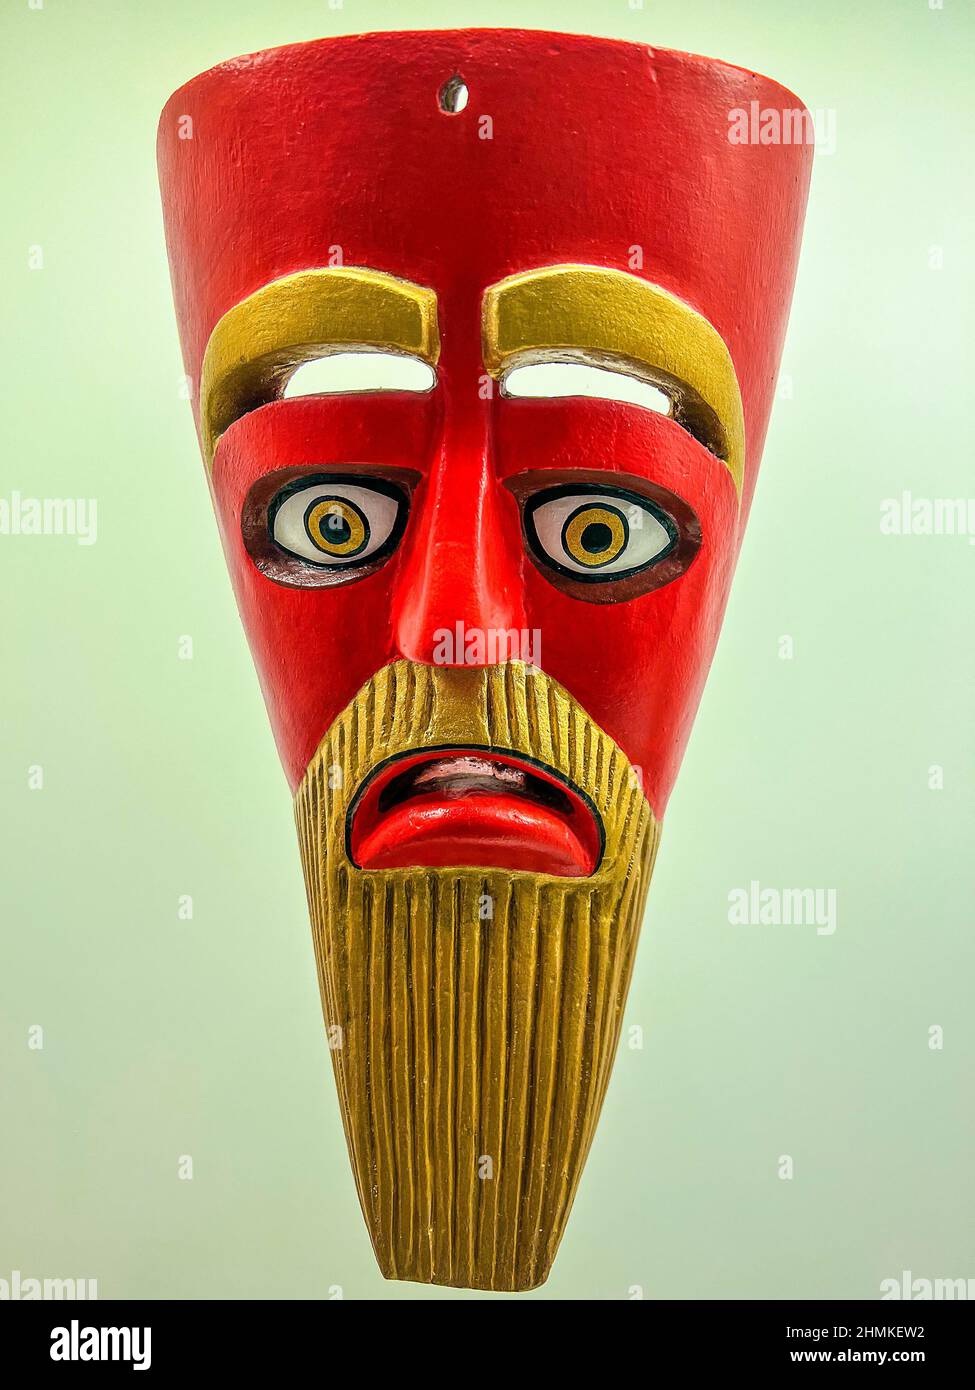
{"points": [[483, 594]]}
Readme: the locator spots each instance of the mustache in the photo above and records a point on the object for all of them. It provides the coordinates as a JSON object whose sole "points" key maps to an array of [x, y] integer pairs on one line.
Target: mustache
{"points": [[472, 1014], [412, 708]]}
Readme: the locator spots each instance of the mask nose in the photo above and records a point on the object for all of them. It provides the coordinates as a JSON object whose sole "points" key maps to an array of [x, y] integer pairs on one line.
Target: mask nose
{"points": [[462, 572]]}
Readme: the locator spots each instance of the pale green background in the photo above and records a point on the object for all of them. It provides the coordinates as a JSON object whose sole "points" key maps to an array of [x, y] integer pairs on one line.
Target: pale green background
{"points": [[165, 1037]]}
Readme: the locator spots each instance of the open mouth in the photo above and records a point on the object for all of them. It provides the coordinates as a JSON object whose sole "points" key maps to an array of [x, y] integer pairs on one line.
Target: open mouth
{"points": [[482, 807]]}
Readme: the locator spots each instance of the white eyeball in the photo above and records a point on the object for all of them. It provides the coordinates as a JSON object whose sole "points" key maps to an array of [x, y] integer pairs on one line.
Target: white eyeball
{"points": [[334, 522], [600, 533]]}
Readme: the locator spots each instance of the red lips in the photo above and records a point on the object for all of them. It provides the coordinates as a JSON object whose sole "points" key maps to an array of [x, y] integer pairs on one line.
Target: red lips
{"points": [[473, 807]]}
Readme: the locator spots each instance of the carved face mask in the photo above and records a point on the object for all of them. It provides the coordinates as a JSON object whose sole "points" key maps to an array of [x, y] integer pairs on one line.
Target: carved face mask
{"points": [[483, 329]]}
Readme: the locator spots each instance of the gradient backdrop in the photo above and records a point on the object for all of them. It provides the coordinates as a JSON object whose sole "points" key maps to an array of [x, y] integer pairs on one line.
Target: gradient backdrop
{"points": [[845, 766]]}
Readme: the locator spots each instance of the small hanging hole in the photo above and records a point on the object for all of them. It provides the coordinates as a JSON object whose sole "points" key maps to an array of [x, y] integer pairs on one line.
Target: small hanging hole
{"points": [[453, 95]]}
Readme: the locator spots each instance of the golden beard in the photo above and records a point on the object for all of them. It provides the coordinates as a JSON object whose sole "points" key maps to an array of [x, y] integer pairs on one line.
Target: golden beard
{"points": [[473, 1014]]}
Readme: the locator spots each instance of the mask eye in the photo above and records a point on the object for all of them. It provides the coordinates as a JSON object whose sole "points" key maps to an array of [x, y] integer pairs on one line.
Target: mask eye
{"points": [[334, 523], [595, 534]]}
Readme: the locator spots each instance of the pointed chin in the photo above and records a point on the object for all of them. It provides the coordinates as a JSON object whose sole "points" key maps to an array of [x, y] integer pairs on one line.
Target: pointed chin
{"points": [[473, 1010]]}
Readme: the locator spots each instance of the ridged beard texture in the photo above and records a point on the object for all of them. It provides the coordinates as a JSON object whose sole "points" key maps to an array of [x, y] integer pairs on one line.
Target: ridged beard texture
{"points": [[473, 1014]]}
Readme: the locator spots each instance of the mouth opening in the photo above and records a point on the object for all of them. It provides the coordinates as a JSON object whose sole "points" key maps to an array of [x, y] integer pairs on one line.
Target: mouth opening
{"points": [[477, 807]]}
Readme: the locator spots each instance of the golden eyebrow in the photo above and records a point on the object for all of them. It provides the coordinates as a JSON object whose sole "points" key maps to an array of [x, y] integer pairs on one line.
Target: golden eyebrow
{"points": [[611, 318], [258, 343]]}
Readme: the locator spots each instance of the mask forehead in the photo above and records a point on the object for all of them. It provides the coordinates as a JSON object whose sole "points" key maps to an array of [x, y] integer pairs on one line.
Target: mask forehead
{"points": [[569, 149]]}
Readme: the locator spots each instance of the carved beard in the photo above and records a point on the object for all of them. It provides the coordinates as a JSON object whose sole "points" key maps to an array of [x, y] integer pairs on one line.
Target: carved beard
{"points": [[473, 1014]]}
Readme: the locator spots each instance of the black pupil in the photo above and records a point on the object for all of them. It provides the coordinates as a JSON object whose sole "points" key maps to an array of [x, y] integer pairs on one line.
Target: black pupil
{"points": [[338, 529], [596, 537]]}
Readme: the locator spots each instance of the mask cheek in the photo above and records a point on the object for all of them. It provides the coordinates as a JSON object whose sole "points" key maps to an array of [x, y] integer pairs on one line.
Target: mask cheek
{"points": [[638, 664], [313, 648]]}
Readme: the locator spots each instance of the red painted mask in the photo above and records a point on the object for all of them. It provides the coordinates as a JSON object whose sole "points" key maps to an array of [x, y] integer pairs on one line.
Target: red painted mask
{"points": [[483, 595]]}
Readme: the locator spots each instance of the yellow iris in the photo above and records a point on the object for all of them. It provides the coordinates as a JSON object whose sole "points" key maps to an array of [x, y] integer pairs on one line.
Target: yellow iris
{"points": [[336, 527], [595, 536]]}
